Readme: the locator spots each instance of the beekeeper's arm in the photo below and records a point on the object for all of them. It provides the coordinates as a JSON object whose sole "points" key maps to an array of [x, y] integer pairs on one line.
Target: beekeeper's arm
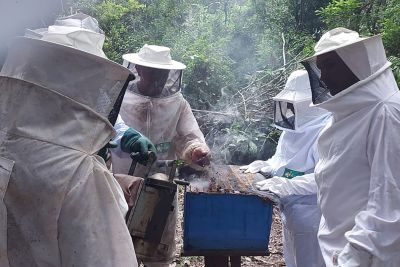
{"points": [[189, 142], [131, 141], [283, 187], [376, 233], [268, 166], [299, 185], [91, 226]]}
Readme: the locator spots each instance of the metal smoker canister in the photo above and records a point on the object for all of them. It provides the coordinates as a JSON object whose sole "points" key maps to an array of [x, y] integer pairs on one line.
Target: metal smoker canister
{"points": [[148, 218]]}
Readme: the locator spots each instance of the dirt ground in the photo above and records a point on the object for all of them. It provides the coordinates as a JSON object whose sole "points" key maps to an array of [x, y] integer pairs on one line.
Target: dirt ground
{"points": [[275, 245]]}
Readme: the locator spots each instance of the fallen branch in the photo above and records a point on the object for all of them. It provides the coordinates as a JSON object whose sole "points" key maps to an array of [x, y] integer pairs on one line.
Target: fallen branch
{"points": [[214, 112]]}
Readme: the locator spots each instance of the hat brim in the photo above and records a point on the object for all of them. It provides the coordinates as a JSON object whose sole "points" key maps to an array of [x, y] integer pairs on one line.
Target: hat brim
{"points": [[290, 96], [77, 51], [313, 57], [135, 59]]}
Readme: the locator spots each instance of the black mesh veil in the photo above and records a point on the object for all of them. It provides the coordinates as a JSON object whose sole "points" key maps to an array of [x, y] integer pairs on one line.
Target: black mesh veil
{"points": [[319, 91], [112, 117], [284, 114], [172, 84]]}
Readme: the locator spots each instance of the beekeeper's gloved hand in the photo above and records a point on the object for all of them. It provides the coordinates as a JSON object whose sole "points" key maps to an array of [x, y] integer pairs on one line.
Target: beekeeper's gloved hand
{"points": [[275, 185], [134, 142], [281, 186], [267, 171], [105, 152], [201, 156], [255, 166], [264, 184]]}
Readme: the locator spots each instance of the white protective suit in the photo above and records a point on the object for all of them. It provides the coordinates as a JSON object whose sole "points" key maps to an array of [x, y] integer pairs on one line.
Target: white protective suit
{"points": [[169, 123], [358, 172], [296, 150], [60, 206], [296, 156], [167, 120]]}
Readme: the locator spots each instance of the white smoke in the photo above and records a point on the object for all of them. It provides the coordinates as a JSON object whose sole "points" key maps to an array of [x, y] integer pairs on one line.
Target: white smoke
{"points": [[17, 15]]}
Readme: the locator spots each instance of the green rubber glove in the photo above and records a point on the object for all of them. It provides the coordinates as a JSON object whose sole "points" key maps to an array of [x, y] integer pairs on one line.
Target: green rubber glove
{"points": [[132, 141], [104, 152]]}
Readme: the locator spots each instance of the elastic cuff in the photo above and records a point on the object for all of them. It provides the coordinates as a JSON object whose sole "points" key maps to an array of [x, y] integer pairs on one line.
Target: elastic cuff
{"points": [[354, 256]]}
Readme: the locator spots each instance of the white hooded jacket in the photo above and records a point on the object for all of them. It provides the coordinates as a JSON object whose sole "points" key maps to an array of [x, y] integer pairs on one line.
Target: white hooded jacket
{"points": [[167, 121], [358, 172], [296, 149], [59, 204], [296, 154], [170, 124]]}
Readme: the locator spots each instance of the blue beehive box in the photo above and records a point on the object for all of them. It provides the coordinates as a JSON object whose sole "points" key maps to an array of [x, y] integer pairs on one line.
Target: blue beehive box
{"points": [[215, 222]]}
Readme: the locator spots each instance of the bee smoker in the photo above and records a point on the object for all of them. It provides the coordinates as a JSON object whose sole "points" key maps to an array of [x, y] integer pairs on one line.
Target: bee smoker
{"points": [[148, 218]]}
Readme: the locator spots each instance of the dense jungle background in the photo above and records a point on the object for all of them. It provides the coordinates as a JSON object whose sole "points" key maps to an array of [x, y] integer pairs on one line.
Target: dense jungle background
{"points": [[238, 52]]}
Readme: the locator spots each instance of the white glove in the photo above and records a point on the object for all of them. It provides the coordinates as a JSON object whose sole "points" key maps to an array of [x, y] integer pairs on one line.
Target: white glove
{"points": [[266, 183], [274, 185], [267, 170], [300, 185], [255, 166]]}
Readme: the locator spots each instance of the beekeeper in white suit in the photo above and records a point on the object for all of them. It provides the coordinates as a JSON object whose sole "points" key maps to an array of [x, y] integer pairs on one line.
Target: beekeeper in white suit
{"points": [[154, 105], [59, 204], [358, 172], [292, 167], [296, 150]]}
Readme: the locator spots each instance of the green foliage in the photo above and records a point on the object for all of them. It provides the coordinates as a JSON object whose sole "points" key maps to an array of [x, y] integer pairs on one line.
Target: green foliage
{"points": [[396, 68], [203, 48], [229, 39], [368, 18], [238, 52], [342, 13], [112, 17], [236, 140], [110, 12], [390, 22], [231, 49]]}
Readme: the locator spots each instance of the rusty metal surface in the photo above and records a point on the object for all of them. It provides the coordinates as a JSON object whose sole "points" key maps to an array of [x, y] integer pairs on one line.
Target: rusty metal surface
{"points": [[226, 179], [232, 180], [222, 178]]}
